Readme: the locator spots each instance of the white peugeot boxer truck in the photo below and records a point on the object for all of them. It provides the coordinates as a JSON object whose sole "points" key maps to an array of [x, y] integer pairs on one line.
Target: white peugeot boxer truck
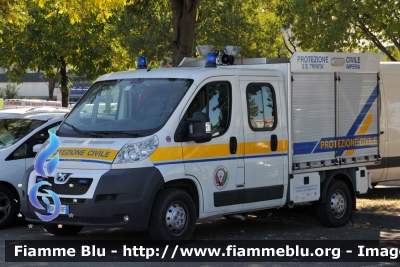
{"points": [[158, 149]]}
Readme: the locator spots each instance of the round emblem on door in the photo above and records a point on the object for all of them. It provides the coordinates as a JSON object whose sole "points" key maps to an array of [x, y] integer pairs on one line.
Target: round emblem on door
{"points": [[221, 177]]}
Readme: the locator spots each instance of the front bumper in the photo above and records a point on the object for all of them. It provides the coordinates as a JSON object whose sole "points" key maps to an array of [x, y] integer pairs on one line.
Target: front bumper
{"points": [[118, 192]]}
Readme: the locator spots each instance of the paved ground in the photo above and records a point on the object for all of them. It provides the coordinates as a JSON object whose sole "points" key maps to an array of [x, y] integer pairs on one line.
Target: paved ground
{"points": [[277, 225], [274, 225]]}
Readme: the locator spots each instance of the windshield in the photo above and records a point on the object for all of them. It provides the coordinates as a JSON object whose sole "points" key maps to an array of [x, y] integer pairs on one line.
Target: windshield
{"points": [[130, 107], [13, 130]]}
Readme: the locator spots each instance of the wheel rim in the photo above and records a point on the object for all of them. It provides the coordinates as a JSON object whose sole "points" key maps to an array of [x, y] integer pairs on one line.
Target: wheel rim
{"points": [[176, 218], [338, 204], [5, 207]]}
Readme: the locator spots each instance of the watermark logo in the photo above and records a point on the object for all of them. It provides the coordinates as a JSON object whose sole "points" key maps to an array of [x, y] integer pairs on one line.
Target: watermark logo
{"points": [[45, 154], [51, 166], [33, 199]]}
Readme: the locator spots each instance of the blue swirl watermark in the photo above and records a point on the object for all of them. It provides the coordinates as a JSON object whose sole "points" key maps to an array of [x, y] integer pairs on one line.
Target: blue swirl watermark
{"points": [[45, 154], [51, 166], [33, 199]]}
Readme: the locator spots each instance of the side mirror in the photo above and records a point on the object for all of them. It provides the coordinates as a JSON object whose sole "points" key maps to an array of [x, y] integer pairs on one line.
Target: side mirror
{"points": [[201, 127], [36, 148]]}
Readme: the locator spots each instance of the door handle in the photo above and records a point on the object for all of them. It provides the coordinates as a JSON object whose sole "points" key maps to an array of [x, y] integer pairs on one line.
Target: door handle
{"points": [[274, 142], [233, 145]]}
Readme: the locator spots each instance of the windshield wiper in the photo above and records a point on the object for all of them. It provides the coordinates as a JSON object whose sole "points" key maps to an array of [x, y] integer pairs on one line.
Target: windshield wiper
{"points": [[77, 130], [137, 134]]}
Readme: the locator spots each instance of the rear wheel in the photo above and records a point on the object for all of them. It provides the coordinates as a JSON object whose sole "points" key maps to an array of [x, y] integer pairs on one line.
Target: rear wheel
{"points": [[336, 210], [63, 231], [173, 216], [8, 207]]}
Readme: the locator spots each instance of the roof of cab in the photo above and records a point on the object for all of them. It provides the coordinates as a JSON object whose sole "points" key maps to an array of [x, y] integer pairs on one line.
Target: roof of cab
{"points": [[183, 72]]}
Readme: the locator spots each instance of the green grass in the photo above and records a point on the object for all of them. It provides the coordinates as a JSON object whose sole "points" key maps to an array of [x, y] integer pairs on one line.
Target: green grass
{"points": [[380, 205]]}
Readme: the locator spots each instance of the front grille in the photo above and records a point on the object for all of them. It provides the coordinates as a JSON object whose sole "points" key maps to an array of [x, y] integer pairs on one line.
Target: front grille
{"points": [[72, 200], [72, 187]]}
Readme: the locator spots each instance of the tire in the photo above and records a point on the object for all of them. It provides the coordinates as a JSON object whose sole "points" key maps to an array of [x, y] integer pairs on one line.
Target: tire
{"points": [[64, 231], [336, 210], [8, 207], [173, 216]]}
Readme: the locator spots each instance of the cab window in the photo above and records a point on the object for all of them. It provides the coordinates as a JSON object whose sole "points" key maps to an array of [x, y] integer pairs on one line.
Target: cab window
{"points": [[14, 129], [215, 100], [261, 107], [25, 150], [127, 107]]}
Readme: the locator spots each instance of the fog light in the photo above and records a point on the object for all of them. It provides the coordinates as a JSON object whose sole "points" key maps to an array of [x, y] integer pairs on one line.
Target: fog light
{"points": [[82, 181], [126, 218], [39, 179]]}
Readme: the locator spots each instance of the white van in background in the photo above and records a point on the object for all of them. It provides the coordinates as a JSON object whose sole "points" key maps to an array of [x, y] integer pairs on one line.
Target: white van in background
{"points": [[20, 130], [24, 103], [389, 141]]}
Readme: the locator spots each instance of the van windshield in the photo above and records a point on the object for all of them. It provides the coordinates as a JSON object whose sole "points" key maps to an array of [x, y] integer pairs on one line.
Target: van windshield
{"points": [[124, 108]]}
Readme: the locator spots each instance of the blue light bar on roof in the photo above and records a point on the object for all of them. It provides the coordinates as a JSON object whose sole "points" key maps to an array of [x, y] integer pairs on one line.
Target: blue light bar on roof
{"points": [[141, 62], [211, 60]]}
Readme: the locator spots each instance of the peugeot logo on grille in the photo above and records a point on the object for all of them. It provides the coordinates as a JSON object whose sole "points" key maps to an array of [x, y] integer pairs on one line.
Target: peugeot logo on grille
{"points": [[61, 178]]}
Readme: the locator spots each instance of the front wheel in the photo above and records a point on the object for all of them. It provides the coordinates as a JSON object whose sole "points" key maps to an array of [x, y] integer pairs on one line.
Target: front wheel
{"points": [[8, 207], [173, 216], [336, 210], [64, 230]]}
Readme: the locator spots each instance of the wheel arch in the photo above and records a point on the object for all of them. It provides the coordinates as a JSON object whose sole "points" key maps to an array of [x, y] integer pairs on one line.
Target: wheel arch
{"points": [[11, 207], [189, 186], [338, 175], [13, 190]]}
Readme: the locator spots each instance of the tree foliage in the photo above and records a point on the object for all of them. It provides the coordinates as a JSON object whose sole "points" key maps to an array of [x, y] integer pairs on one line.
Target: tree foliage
{"points": [[11, 91], [252, 25], [183, 16], [49, 42], [182, 20], [341, 25], [13, 11], [147, 30], [78, 11]]}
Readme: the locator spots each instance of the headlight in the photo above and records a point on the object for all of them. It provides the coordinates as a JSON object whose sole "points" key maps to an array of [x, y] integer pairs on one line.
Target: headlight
{"points": [[132, 151]]}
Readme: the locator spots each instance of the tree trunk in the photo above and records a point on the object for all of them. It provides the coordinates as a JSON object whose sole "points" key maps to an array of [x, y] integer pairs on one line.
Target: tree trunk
{"points": [[52, 86], [184, 25], [375, 40], [64, 83]]}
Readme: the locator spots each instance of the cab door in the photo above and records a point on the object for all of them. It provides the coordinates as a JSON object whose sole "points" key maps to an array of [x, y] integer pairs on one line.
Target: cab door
{"points": [[218, 164], [23, 156], [266, 143]]}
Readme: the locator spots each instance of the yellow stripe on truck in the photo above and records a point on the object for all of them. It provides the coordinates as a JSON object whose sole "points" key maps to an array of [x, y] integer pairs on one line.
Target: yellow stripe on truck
{"points": [[206, 151], [86, 153], [265, 147], [363, 130], [167, 153], [215, 150]]}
